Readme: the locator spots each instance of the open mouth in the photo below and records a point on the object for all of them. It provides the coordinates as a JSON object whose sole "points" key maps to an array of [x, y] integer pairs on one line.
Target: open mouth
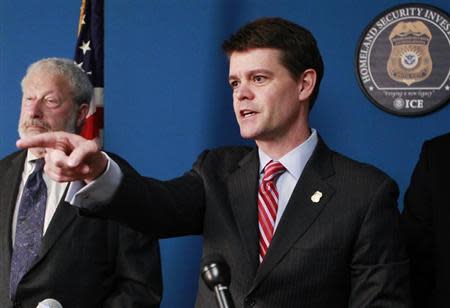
{"points": [[247, 113]]}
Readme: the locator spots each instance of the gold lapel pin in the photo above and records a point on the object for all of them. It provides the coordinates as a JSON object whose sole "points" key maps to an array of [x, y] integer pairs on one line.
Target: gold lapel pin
{"points": [[316, 197]]}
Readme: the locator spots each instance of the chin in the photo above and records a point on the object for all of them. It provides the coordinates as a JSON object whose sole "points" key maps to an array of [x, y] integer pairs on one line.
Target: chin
{"points": [[248, 135]]}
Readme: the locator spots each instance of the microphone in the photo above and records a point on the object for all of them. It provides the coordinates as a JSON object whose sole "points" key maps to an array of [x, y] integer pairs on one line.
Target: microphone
{"points": [[49, 303], [216, 275]]}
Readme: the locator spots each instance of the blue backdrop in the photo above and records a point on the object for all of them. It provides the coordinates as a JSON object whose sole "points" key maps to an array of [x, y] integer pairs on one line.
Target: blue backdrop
{"points": [[166, 93]]}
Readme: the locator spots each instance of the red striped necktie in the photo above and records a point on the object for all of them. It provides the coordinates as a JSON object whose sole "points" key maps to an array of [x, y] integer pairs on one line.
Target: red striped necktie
{"points": [[268, 205]]}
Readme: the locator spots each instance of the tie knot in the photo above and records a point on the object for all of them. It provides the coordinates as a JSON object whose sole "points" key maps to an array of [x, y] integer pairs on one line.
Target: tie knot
{"points": [[39, 165], [272, 171]]}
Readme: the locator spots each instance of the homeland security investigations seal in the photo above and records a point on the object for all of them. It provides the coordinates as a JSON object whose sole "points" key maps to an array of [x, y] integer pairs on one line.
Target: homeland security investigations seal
{"points": [[403, 60]]}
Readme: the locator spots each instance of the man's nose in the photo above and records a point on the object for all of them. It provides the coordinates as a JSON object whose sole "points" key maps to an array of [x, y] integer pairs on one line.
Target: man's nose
{"points": [[34, 108], [244, 92]]}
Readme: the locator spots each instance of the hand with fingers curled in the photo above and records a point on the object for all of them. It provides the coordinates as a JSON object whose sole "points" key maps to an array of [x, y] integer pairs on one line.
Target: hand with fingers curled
{"points": [[68, 157]]}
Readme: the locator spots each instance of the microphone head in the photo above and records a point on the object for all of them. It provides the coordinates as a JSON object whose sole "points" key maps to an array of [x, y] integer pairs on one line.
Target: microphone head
{"points": [[215, 271], [49, 303]]}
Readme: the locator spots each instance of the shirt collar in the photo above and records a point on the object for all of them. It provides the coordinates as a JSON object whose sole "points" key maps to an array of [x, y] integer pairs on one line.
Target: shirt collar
{"points": [[295, 160], [30, 162]]}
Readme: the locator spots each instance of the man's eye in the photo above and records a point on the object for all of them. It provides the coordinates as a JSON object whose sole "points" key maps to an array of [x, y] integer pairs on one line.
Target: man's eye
{"points": [[51, 102], [259, 79], [234, 84]]}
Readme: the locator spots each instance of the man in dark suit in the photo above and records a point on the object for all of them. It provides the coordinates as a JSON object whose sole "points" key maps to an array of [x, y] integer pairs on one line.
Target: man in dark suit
{"points": [[298, 224], [426, 222], [80, 262]]}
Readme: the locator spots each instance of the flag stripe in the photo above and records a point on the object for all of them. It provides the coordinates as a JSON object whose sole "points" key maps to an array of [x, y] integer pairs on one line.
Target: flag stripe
{"points": [[89, 54]]}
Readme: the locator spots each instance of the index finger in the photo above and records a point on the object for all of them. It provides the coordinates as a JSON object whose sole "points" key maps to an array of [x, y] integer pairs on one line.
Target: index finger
{"points": [[55, 140], [44, 140]]}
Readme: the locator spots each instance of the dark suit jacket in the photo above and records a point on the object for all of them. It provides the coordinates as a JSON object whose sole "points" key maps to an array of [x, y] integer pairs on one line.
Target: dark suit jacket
{"points": [[344, 251], [426, 220], [83, 262]]}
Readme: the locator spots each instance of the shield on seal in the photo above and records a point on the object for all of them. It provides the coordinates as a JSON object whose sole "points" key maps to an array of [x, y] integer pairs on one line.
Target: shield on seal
{"points": [[410, 60]]}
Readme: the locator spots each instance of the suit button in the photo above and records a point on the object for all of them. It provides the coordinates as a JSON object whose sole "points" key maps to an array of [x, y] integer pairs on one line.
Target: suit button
{"points": [[249, 301]]}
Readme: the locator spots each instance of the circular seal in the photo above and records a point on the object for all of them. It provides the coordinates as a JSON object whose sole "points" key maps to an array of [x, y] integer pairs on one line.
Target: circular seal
{"points": [[403, 60]]}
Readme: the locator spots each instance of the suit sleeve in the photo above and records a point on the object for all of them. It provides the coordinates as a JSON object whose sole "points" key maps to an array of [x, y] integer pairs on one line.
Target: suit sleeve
{"points": [[417, 219], [159, 209], [138, 280], [379, 265]]}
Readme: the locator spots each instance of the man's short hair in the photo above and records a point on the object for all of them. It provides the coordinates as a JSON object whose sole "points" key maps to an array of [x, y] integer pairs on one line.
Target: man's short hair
{"points": [[79, 83], [297, 45]]}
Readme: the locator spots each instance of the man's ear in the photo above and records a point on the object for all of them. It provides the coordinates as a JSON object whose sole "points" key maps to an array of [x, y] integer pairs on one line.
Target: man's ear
{"points": [[82, 113], [306, 84]]}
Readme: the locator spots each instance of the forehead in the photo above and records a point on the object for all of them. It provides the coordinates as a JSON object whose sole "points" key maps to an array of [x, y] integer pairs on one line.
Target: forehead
{"points": [[255, 59], [42, 79]]}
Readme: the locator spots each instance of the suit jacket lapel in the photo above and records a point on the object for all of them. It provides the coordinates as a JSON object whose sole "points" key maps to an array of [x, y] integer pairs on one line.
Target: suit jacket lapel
{"points": [[301, 210], [63, 217], [10, 180], [242, 188]]}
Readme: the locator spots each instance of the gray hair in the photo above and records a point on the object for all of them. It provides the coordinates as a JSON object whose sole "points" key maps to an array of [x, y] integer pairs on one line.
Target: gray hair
{"points": [[79, 82]]}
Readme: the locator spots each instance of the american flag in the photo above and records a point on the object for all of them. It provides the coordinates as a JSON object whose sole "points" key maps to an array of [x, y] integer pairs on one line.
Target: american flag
{"points": [[89, 57]]}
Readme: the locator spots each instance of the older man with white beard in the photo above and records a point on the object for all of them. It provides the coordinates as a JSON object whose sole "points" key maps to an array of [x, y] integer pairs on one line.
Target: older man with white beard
{"points": [[46, 249]]}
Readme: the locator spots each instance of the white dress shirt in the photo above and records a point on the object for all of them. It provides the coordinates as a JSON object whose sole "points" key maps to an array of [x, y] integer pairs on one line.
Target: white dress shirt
{"points": [[294, 162], [55, 192]]}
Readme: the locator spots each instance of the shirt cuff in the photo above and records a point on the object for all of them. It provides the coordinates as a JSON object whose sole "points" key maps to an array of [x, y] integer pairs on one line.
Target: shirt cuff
{"points": [[97, 192]]}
